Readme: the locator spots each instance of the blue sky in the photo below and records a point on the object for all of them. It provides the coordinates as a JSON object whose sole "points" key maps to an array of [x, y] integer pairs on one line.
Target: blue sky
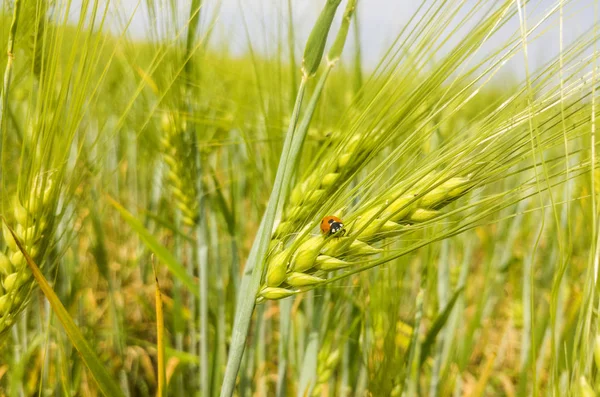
{"points": [[379, 21]]}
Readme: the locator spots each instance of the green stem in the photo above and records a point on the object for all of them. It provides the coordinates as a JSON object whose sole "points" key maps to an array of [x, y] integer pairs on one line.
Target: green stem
{"points": [[201, 251], [200, 245], [412, 366], [358, 78], [308, 371], [8, 75], [285, 320], [300, 133], [291, 150], [191, 35], [291, 41], [256, 261]]}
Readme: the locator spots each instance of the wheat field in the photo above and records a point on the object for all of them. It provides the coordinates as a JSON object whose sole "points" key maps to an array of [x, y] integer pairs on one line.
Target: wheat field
{"points": [[240, 199]]}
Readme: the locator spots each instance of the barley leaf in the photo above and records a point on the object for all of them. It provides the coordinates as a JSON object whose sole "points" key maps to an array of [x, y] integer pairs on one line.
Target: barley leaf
{"points": [[159, 250], [439, 322]]}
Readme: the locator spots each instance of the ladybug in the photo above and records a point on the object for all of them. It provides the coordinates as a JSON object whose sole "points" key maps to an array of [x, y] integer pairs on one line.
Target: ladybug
{"points": [[331, 225]]}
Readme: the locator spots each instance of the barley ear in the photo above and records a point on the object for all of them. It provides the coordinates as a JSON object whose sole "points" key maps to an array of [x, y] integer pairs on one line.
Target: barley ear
{"points": [[15, 277], [338, 45], [315, 45], [180, 177], [327, 362], [314, 256]]}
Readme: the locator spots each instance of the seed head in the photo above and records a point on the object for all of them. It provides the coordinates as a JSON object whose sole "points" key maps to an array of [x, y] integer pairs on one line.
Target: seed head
{"points": [[306, 254], [329, 263], [277, 268], [423, 215], [275, 293], [296, 279], [5, 265], [8, 238], [21, 214]]}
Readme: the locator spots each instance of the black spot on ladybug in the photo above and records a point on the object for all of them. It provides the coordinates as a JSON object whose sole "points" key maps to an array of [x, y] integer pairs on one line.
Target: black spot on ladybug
{"points": [[335, 227]]}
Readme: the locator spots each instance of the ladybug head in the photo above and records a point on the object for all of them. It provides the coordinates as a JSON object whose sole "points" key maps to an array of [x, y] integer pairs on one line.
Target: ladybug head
{"points": [[335, 226]]}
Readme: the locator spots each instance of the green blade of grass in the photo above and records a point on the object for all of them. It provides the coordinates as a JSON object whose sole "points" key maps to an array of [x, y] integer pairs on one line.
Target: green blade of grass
{"points": [[437, 325], [220, 202], [160, 339], [104, 380], [183, 357], [8, 74], [159, 250]]}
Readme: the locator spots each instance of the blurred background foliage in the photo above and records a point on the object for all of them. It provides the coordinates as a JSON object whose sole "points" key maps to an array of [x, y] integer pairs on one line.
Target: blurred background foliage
{"points": [[496, 296]]}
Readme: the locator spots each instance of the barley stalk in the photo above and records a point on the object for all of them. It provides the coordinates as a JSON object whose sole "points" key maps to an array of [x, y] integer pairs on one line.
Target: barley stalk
{"points": [[255, 267]]}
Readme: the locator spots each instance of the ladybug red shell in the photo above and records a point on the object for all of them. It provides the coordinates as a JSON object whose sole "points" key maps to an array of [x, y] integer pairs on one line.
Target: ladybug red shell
{"points": [[331, 225]]}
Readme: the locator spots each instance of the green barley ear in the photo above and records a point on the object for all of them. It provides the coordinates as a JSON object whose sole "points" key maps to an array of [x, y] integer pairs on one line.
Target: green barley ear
{"points": [[179, 156], [312, 193], [327, 361], [313, 257], [338, 45], [33, 220], [315, 45]]}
